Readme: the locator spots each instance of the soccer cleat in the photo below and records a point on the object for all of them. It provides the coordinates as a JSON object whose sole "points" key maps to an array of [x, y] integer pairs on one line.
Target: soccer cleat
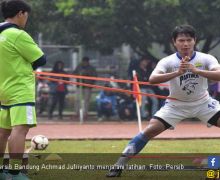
{"points": [[114, 173]]}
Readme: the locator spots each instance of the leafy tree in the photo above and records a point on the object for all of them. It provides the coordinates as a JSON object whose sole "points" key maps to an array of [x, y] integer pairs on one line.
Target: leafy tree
{"points": [[106, 24], [203, 15], [45, 18]]}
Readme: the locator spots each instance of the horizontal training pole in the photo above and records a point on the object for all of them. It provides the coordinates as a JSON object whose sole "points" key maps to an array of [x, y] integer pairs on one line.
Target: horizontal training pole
{"points": [[97, 78], [104, 88]]}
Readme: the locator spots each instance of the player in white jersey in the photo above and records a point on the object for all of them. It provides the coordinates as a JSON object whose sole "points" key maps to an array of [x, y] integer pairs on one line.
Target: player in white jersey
{"points": [[188, 72]]}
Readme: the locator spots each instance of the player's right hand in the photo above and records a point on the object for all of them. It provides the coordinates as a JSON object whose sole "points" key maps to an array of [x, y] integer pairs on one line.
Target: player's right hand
{"points": [[184, 65], [186, 59]]}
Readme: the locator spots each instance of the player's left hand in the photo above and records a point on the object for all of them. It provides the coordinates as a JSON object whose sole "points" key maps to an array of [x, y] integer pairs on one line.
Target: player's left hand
{"points": [[193, 68]]}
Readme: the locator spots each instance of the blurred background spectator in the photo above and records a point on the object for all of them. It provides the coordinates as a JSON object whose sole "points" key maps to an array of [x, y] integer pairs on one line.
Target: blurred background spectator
{"points": [[126, 107], [106, 104], [149, 104], [58, 91], [83, 93]]}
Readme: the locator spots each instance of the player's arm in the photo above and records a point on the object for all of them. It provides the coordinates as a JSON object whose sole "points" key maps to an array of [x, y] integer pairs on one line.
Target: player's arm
{"points": [[213, 74], [160, 74], [39, 62], [29, 50], [161, 77]]}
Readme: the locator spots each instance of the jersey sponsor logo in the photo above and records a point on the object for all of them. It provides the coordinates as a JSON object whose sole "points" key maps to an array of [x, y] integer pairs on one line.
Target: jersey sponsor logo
{"points": [[198, 64]]}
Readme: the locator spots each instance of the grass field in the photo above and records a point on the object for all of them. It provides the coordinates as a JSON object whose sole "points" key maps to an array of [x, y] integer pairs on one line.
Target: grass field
{"points": [[117, 146], [83, 158]]}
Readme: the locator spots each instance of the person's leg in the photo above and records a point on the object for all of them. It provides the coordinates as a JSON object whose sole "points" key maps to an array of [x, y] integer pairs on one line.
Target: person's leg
{"points": [[87, 97], [218, 123], [209, 112], [155, 102], [61, 103], [107, 111], [168, 116], [5, 131], [40, 104], [22, 118], [77, 103], [110, 112], [215, 120], [100, 111], [144, 110], [53, 105], [4, 134], [16, 148], [16, 142], [44, 103], [154, 128]]}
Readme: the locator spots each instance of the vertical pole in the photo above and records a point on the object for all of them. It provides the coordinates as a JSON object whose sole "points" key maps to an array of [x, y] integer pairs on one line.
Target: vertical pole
{"points": [[137, 104]]}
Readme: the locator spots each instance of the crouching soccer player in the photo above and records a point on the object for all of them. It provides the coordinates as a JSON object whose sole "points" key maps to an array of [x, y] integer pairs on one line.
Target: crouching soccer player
{"points": [[188, 72], [19, 55]]}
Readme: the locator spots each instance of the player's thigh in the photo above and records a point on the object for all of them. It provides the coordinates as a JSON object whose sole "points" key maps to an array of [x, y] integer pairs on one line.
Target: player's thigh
{"points": [[154, 128], [23, 115], [5, 120]]}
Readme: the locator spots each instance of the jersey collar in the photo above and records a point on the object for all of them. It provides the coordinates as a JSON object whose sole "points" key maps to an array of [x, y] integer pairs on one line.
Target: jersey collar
{"points": [[179, 56], [6, 25]]}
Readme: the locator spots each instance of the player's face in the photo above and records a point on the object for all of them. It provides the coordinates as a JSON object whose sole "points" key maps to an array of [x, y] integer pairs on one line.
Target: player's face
{"points": [[184, 44]]}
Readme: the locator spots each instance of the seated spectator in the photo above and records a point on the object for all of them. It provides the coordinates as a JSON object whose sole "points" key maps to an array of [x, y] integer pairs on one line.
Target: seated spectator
{"points": [[106, 104], [126, 107], [150, 104]]}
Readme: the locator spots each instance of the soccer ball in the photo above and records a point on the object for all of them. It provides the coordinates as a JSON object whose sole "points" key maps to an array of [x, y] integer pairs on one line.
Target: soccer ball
{"points": [[39, 142]]}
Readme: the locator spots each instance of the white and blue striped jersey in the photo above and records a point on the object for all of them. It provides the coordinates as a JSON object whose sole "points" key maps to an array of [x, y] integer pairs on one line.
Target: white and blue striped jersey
{"points": [[188, 87]]}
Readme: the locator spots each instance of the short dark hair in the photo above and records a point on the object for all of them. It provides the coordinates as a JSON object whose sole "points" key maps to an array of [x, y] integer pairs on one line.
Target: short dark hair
{"points": [[184, 29], [144, 58], [85, 59], [10, 8]]}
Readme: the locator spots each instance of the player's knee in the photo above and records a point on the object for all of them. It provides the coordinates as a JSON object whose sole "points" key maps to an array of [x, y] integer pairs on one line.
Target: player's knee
{"points": [[151, 131], [152, 134]]}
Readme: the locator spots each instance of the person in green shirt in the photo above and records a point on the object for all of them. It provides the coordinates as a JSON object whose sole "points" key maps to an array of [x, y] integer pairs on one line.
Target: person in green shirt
{"points": [[19, 56]]}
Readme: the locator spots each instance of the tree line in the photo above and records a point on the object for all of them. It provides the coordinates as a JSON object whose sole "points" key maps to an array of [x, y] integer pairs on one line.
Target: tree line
{"points": [[106, 24]]}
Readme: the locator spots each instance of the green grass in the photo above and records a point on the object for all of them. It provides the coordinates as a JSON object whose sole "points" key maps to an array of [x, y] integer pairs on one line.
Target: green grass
{"points": [[105, 152], [117, 146]]}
